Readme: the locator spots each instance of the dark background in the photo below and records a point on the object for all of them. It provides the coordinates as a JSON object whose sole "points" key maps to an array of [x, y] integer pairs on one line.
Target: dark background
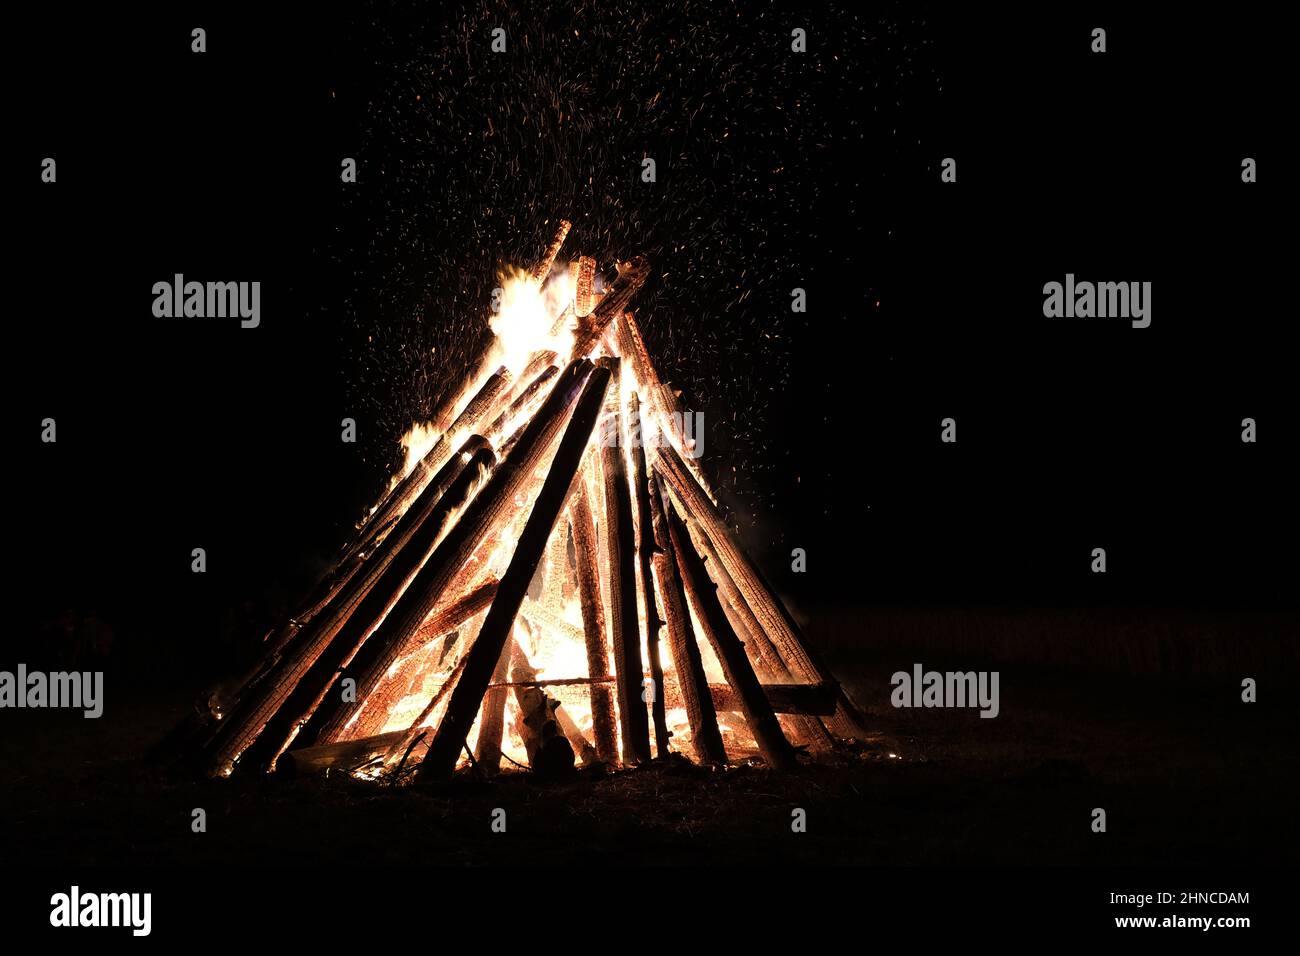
{"points": [[775, 170]]}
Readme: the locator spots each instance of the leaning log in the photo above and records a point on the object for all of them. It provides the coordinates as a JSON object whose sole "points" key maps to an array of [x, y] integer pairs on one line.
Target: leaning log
{"points": [[489, 507], [776, 749], [773, 619], [693, 687], [400, 498], [287, 696], [543, 268], [620, 552], [440, 760], [593, 620], [794, 699], [645, 546]]}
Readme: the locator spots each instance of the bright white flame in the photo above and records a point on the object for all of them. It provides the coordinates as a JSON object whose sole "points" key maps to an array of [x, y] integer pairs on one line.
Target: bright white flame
{"points": [[526, 314]]}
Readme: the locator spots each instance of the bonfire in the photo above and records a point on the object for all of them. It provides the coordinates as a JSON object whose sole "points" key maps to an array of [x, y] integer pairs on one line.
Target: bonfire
{"points": [[547, 583]]}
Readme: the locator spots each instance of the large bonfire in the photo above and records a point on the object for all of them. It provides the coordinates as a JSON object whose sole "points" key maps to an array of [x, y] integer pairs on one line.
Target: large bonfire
{"points": [[509, 595]]}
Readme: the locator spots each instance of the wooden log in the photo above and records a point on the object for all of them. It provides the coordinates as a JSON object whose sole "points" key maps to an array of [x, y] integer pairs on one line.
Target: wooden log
{"points": [[593, 619], [793, 699], [338, 758], [706, 739], [453, 615], [394, 687], [629, 281], [492, 718], [773, 618], [492, 505], [776, 749], [292, 692], [440, 760], [573, 734], [543, 268], [620, 551], [406, 490], [645, 546], [550, 754], [398, 750], [585, 296], [518, 407]]}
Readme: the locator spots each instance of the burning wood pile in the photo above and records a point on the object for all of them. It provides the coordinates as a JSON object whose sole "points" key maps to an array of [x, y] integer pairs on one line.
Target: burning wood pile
{"points": [[509, 598]]}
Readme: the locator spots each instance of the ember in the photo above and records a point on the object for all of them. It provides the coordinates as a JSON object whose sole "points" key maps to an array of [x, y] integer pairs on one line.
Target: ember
{"points": [[506, 598]]}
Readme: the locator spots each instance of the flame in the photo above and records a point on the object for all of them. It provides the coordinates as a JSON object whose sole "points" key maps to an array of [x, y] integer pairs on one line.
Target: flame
{"points": [[528, 317]]}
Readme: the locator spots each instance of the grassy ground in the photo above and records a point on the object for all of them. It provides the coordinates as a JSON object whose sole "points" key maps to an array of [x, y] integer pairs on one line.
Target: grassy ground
{"points": [[1185, 771]]}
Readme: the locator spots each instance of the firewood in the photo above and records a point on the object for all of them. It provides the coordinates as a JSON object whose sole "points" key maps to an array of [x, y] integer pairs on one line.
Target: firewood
{"points": [[273, 715], [776, 749], [340, 757], [550, 754], [399, 749], [585, 296], [620, 551], [692, 683], [573, 734], [645, 546], [805, 699], [543, 268], [483, 655], [593, 618], [492, 718], [774, 620], [401, 496], [488, 508], [620, 293]]}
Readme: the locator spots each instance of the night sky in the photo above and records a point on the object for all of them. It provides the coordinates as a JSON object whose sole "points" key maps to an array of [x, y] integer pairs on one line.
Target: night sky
{"points": [[775, 170]]}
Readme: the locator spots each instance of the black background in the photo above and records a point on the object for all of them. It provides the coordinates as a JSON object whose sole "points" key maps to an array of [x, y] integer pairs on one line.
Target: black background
{"points": [[823, 429]]}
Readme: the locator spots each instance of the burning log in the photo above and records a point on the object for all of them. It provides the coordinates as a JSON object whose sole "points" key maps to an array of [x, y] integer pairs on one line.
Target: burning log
{"points": [[694, 691], [440, 759], [486, 511], [573, 733], [492, 718], [795, 699], [584, 299], [452, 616], [288, 696], [629, 281], [402, 746], [593, 620], [620, 550], [773, 619], [543, 268], [645, 554], [550, 754], [404, 493], [731, 654], [342, 757]]}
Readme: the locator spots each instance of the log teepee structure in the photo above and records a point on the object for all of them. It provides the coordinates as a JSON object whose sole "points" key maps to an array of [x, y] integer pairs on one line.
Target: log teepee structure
{"points": [[512, 594]]}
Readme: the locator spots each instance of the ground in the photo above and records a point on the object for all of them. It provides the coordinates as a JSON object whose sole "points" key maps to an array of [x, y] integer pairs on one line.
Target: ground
{"points": [[1186, 772]]}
